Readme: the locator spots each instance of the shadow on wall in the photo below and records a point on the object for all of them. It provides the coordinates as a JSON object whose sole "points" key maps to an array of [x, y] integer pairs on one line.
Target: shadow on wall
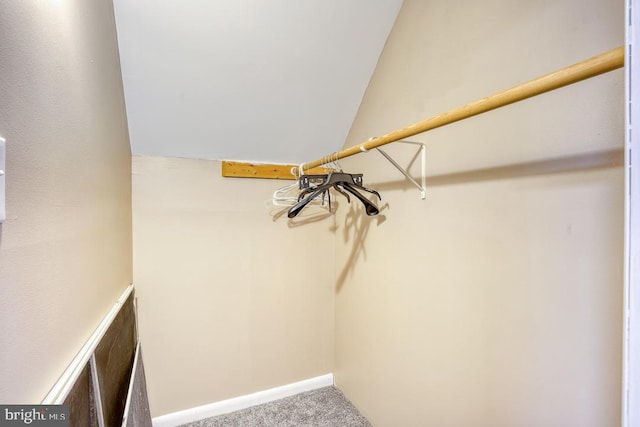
{"points": [[594, 160], [356, 228], [357, 224]]}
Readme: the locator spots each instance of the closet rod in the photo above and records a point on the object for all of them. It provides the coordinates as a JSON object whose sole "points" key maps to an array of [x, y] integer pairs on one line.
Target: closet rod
{"points": [[591, 67]]}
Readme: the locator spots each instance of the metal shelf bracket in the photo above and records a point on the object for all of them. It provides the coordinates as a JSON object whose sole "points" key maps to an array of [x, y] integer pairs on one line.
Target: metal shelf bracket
{"points": [[423, 154]]}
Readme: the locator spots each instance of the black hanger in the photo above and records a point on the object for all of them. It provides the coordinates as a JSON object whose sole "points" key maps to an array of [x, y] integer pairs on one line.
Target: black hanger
{"points": [[339, 181], [308, 183]]}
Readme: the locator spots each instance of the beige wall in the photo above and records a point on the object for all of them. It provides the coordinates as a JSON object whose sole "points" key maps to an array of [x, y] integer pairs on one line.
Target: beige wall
{"points": [[497, 300], [65, 248], [231, 301]]}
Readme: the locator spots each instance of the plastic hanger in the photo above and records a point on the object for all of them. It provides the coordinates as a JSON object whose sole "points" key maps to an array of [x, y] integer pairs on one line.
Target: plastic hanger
{"points": [[315, 185]]}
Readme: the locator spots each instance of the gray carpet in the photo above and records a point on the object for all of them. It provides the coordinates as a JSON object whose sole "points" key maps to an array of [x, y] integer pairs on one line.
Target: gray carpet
{"points": [[325, 407]]}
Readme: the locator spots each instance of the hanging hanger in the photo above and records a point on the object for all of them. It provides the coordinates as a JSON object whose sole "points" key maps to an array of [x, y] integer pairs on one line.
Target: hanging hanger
{"points": [[288, 195], [314, 186]]}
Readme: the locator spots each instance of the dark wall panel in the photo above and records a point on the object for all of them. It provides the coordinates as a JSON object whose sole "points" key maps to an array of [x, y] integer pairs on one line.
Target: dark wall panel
{"points": [[114, 361], [82, 405], [139, 414]]}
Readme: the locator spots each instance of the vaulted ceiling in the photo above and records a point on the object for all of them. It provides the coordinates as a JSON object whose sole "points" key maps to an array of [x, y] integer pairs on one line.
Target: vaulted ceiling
{"points": [[267, 81]]}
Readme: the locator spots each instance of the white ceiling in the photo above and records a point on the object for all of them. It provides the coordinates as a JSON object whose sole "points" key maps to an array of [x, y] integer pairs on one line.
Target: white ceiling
{"points": [[268, 81]]}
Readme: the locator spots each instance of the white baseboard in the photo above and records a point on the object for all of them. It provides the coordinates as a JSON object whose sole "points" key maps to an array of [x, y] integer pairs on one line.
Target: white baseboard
{"points": [[242, 402]]}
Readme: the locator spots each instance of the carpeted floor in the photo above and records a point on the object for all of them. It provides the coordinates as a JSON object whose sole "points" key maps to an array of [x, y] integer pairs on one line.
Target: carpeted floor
{"points": [[325, 407]]}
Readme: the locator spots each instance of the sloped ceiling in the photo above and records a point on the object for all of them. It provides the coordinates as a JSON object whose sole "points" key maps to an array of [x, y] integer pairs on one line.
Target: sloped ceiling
{"points": [[267, 81]]}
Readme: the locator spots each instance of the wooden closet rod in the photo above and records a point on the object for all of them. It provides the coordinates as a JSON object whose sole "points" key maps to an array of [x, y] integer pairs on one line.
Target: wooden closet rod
{"points": [[592, 67]]}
